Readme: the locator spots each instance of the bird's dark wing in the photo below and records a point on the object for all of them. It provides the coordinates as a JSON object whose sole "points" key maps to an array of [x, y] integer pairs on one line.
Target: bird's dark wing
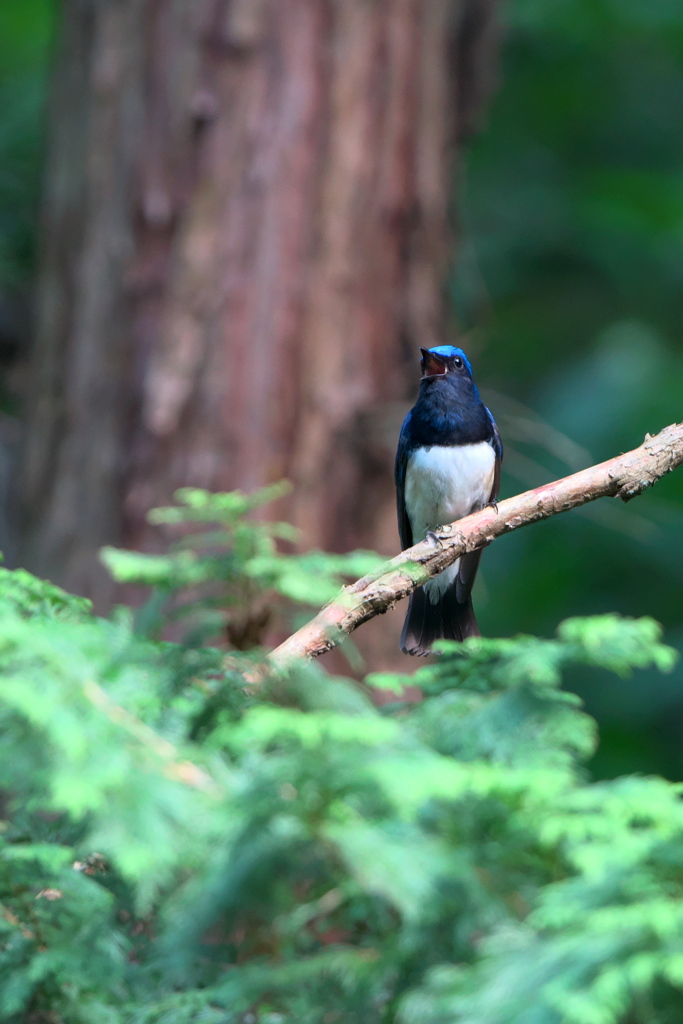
{"points": [[404, 528], [470, 563], [497, 446]]}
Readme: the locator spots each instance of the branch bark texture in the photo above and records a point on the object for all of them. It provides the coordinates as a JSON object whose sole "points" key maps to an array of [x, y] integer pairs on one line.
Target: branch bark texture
{"points": [[622, 477]]}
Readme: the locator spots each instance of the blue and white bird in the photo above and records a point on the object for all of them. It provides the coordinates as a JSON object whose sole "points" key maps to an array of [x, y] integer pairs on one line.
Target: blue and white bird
{"points": [[447, 465]]}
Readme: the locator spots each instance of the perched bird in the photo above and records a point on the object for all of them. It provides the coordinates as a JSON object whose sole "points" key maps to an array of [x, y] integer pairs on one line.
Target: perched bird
{"points": [[447, 465]]}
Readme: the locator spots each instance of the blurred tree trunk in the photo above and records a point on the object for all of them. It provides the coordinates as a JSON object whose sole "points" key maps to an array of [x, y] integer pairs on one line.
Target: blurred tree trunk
{"points": [[245, 239]]}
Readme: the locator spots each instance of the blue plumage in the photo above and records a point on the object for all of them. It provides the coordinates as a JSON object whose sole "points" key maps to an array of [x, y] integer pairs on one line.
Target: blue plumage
{"points": [[447, 465]]}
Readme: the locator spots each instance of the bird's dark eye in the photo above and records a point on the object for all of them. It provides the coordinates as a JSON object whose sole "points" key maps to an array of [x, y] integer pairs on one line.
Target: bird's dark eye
{"points": [[457, 362]]}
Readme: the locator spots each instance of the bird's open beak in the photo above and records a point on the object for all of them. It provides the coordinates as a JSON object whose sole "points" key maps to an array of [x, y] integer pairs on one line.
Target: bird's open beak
{"points": [[432, 365]]}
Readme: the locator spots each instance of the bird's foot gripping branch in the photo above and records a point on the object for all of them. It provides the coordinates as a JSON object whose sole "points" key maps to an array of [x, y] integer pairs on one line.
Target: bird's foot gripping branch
{"points": [[623, 477]]}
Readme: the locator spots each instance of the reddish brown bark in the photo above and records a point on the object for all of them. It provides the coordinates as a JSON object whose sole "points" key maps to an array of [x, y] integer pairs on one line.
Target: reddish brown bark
{"points": [[244, 244]]}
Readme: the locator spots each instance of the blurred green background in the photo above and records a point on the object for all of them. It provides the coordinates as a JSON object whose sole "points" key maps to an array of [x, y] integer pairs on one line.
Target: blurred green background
{"points": [[26, 34], [569, 285]]}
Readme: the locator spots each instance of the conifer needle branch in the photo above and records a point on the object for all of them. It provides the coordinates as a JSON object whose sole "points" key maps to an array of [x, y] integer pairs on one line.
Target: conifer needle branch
{"points": [[623, 477], [181, 771]]}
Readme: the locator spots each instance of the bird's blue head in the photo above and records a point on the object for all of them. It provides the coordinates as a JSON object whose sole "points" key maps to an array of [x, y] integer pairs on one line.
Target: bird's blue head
{"points": [[443, 360]]}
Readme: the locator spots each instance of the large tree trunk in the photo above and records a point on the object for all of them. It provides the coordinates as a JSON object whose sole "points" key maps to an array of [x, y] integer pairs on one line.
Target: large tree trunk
{"points": [[245, 239]]}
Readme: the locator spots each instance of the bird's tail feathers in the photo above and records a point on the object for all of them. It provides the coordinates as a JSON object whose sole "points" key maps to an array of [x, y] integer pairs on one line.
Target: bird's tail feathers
{"points": [[425, 622]]}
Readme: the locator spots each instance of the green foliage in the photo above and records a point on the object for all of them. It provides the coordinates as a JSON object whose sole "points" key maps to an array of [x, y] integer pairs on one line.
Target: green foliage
{"points": [[25, 31], [182, 844], [223, 579]]}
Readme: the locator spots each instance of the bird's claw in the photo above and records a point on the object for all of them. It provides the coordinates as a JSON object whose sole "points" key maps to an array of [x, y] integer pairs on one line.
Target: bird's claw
{"points": [[434, 538], [493, 504]]}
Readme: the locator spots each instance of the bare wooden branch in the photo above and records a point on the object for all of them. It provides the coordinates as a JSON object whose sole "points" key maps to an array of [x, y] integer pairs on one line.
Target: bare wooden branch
{"points": [[623, 477]]}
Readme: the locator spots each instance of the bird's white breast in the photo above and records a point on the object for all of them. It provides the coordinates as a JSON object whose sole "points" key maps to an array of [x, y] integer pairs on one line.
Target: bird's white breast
{"points": [[444, 484]]}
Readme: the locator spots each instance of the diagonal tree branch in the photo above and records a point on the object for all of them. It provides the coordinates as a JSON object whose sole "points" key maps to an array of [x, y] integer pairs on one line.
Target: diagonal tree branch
{"points": [[623, 477]]}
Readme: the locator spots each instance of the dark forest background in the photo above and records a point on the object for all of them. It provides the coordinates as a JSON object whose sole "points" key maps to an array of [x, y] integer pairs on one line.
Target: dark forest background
{"points": [[567, 283]]}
